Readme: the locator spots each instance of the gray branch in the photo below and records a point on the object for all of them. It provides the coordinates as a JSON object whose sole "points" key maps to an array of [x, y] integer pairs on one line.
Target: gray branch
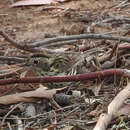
{"points": [[77, 37]]}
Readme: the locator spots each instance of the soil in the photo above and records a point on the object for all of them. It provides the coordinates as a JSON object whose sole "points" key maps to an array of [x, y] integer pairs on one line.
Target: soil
{"points": [[32, 23]]}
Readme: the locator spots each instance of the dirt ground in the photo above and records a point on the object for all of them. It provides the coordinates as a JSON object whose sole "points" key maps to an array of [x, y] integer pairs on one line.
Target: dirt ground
{"points": [[34, 23]]}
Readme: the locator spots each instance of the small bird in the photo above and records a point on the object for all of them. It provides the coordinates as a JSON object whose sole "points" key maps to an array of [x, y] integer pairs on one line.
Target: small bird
{"points": [[57, 64]]}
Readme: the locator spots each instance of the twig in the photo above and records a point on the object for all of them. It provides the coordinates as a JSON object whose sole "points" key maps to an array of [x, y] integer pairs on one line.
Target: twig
{"points": [[113, 50], [16, 59], [121, 4], [90, 46], [61, 43], [114, 18], [78, 77], [54, 103]]}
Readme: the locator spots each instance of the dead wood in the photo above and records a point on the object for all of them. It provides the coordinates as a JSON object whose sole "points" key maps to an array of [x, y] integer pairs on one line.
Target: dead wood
{"points": [[31, 96], [78, 77]]}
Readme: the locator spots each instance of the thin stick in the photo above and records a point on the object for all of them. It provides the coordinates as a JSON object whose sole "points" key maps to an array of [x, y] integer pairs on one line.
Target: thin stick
{"points": [[9, 58]]}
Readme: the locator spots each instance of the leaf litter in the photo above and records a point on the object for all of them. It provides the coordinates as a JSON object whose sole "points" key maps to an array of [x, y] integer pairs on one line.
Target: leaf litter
{"points": [[67, 41]]}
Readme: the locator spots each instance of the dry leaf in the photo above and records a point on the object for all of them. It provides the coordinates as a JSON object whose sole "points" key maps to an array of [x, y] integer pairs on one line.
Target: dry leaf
{"points": [[35, 2], [32, 2], [30, 96]]}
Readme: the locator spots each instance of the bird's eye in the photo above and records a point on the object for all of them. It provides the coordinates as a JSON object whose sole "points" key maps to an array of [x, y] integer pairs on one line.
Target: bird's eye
{"points": [[36, 61]]}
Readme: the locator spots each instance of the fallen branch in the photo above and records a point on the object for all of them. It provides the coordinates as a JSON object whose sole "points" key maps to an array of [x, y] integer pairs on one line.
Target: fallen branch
{"points": [[78, 77], [77, 37], [31, 96], [63, 38]]}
